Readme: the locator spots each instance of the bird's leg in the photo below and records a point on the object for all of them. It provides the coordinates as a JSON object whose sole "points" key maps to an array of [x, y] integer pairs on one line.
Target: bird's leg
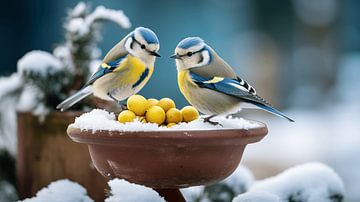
{"points": [[122, 105], [208, 120]]}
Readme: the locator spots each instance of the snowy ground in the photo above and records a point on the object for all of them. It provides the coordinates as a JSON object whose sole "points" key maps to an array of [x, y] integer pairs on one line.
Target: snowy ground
{"points": [[99, 119], [312, 182], [330, 136], [60, 191]]}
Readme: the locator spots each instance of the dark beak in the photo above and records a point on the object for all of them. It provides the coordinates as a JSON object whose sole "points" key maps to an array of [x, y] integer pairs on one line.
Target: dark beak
{"points": [[155, 54], [175, 56]]}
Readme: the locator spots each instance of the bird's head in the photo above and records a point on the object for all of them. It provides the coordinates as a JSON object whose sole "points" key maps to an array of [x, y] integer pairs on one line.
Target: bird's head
{"points": [[192, 52], [144, 44]]}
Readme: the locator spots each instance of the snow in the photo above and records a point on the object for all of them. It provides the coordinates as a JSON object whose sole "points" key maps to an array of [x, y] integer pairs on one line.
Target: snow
{"points": [[60, 191], [79, 10], [240, 180], [311, 182], [99, 119], [192, 193], [10, 84], [329, 135], [29, 101], [78, 27], [40, 63], [81, 25], [8, 87], [63, 53], [116, 16], [94, 66], [257, 197], [28, 98], [123, 191], [7, 192]]}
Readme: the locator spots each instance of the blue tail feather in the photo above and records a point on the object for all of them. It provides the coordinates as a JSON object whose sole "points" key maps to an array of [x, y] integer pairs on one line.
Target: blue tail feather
{"points": [[273, 111]]}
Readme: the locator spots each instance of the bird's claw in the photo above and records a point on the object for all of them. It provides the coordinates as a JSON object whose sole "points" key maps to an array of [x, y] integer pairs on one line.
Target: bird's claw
{"points": [[123, 106], [208, 120]]}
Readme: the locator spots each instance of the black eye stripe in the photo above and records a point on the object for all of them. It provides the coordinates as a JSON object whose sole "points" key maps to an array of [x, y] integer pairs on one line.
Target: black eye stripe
{"points": [[192, 53], [138, 42]]}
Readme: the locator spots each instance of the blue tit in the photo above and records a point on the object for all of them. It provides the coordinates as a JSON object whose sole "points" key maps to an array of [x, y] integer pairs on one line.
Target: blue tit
{"points": [[210, 84], [124, 71]]}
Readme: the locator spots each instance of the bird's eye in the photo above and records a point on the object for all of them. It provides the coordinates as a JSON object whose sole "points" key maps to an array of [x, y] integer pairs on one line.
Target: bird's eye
{"points": [[189, 54], [143, 46]]}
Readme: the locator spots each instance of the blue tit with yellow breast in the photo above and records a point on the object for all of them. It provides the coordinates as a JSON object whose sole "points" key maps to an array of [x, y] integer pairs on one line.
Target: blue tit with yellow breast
{"points": [[124, 71], [211, 85]]}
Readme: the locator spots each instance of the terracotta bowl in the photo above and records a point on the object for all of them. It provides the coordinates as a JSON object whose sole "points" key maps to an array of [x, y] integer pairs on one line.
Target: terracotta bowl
{"points": [[168, 159]]}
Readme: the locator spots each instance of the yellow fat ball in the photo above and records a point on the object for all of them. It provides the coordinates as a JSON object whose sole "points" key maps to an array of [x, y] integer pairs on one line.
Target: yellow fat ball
{"points": [[170, 125], [152, 102], [166, 104], [142, 119], [189, 113], [173, 115], [126, 116], [137, 104], [155, 114]]}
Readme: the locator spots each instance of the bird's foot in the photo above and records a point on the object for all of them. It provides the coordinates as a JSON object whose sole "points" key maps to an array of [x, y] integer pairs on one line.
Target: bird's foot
{"points": [[208, 120], [123, 106]]}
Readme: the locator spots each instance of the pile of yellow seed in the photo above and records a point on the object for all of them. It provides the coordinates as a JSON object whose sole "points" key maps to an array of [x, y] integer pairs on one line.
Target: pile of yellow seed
{"points": [[161, 112]]}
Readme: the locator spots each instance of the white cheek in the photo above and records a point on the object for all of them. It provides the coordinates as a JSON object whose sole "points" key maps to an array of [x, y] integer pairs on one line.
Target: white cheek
{"points": [[128, 44], [206, 59]]}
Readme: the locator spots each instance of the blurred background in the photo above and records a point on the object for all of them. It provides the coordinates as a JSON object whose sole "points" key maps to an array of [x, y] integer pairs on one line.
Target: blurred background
{"points": [[303, 56]]}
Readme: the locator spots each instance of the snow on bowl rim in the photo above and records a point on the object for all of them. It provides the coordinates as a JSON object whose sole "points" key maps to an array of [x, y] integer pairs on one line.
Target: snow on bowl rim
{"points": [[231, 136], [100, 120]]}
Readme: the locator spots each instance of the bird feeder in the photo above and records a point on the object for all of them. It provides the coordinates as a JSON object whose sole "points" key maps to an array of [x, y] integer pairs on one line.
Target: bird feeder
{"points": [[168, 160]]}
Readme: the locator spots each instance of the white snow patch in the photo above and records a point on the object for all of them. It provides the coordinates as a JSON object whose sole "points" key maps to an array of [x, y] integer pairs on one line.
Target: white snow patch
{"points": [[28, 98], [116, 16], [79, 10], [7, 192], [60, 191], [63, 53], [39, 62], [8, 89], [192, 193], [10, 84], [256, 197], [29, 101], [123, 191], [99, 119], [78, 27], [311, 182], [94, 66], [240, 180]]}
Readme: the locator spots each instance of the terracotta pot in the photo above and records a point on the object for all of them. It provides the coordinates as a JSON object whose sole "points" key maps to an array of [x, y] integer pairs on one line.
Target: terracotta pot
{"points": [[46, 154], [168, 159]]}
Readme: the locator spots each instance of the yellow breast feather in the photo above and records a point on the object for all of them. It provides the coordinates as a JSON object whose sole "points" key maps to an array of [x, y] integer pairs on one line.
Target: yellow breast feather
{"points": [[185, 82], [131, 69]]}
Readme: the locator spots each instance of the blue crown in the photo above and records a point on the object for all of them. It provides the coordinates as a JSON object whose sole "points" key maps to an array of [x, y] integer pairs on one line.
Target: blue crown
{"points": [[189, 42], [148, 35]]}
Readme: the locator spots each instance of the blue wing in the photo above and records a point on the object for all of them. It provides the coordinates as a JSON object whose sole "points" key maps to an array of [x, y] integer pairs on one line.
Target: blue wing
{"points": [[104, 69], [236, 88]]}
